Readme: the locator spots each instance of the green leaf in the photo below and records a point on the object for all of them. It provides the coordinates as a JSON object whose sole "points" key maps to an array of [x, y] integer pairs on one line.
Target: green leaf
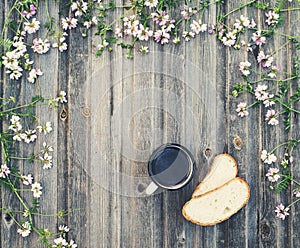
{"points": [[112, 5], [262, 6], [99, 52], [111, 40], [13, 25], [6, 43], [37, 98], [283, 184]]}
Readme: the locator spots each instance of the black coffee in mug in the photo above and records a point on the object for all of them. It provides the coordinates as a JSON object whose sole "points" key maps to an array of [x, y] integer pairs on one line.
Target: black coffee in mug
{"points": [[171, 166]]}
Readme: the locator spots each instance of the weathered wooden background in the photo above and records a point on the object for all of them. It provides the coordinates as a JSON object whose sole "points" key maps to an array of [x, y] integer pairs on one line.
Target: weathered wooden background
{"points": [[120, 110]]}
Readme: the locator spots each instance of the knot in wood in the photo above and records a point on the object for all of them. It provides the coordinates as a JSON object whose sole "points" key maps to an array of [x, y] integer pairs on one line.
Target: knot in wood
{"points": [[8, 220], [237, 143], [141, 187], [207, 153], [265, 230], [85, 111], [63, 114]]}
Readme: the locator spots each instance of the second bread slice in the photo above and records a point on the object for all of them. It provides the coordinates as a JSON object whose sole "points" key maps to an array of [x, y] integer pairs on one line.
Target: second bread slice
{"points": [[222, 170]]}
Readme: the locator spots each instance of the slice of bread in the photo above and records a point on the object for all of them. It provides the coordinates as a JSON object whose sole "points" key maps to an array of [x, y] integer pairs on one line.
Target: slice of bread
{"points": [[223, 169], [219, 204]]}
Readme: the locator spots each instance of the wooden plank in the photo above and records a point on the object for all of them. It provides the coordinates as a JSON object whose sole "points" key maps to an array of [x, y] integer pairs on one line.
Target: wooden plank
{"points": [[10, 88], [238, 128], [292, 54], [220, 137], [175, 130], [46, 85], [283, 59], [78, 135], [249, 157], [140, 124], [62, 129], [106, 166], [270, 227]]}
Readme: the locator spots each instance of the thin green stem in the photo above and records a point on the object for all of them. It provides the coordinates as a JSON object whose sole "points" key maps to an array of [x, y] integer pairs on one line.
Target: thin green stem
{"points": [[289, 9], [59, 214], [277, 50], [239, 8], [23, 106], [14, 220], [20, 158], [4, 150], [294, 181], [294, 202], [286, 35], [18, 196], [274, 79], [8, 16], [253, 104], [117, 19], [288, 107], [283, 144]]}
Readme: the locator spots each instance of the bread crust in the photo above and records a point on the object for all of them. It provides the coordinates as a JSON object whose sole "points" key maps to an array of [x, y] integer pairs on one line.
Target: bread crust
{"points": [[210, 171], [221, 220]]}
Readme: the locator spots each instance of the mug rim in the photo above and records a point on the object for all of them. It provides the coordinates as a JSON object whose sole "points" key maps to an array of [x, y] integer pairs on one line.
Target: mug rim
{"points": [[187, 154]]}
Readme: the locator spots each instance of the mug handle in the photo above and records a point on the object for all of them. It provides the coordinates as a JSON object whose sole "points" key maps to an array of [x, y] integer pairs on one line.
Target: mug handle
{"points": [[152, 187]]}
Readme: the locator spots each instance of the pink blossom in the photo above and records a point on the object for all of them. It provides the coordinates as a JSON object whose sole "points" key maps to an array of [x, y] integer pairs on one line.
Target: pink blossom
{"points": [[297, 193], [247, 45], [61, 44], [30, 13], [244, 68], [229, 39], [33, 75], [27, 180], [40, 46], [268, 102], [119, 32], [188, 35], [241, 23], [69, 23], [274, 70], [198, 27], [161, 18], [4, 171], [266, 60], [273, 175], [169, 25], [91, 23], [131, 26], [258, 38], [32, 27], [161, 36], [188, 12], [271, 117], [212, 30], [272, 17], [267, 157], [151, 3], [260, 92], [79, 8], [252, 24], [144, 33], [241, 109], [281, 211]]}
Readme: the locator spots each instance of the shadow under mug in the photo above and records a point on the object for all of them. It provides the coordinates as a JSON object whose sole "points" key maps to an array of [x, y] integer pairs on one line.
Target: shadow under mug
{"points": [[171, 167]]}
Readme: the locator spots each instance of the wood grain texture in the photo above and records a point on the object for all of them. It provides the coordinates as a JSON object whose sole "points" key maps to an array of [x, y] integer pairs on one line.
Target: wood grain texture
{"points": [[294, 222], [9, 234], [120, 110]]}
